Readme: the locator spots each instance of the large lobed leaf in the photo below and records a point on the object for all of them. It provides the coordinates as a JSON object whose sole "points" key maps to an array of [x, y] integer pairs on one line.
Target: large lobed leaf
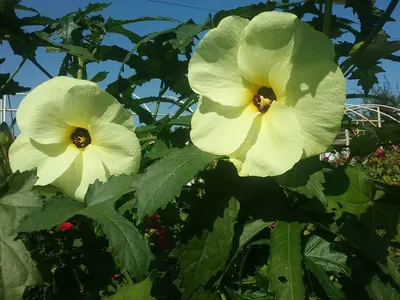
{"points": [[359, 199], [285, 259], [134, 291], [204, 257], [127, 242], [319, 258], [17, 269], [380, 291], [164, 179]]}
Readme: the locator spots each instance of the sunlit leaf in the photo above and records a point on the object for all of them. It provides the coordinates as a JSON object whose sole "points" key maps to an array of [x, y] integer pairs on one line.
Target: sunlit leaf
{"points": [[16, 266], [204, 257], [125, 239], [138, 291], [163, 180], [377, 290], [319, 258], [285, 260]]}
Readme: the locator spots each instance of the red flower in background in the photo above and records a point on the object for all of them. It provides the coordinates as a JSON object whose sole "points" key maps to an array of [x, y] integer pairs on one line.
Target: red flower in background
{"points": [[154, 228], [380, 153], [65, 226]]}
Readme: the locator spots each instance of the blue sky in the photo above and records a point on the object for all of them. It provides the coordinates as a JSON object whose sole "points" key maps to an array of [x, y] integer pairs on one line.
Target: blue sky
{"points": [[128, 9]]}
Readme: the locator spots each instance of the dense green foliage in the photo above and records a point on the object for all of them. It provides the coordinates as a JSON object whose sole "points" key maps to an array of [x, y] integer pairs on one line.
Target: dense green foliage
{"points": [[187, 226]]}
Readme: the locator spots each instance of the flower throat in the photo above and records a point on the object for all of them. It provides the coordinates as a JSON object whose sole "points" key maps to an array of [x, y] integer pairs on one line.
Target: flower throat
{"points": [[81, 137], [263, 99]]}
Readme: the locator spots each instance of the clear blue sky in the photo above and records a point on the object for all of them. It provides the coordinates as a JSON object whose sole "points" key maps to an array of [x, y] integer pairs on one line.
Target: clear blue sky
{"points": [[128, 9]]}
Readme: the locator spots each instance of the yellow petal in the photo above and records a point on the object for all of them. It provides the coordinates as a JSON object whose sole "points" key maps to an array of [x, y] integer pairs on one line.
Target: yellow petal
{"points": [[59, 159], [39, 114], [213, 69], [117, 146], [318, 101], [220, 129], [84, 102], [86, 168], [273, 146], [51, 160], [24, 155], [266, 41]]}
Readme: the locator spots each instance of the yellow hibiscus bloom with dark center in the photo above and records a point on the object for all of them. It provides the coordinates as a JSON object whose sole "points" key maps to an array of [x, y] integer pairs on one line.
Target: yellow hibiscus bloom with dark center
{"points": [[74, 133], [270, 93]]}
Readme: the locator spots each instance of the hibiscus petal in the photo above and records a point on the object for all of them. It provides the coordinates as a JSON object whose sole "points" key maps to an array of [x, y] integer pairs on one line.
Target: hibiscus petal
{"points": [[273, 146], [51, 160], [266, 41], [84, 102], [39, 114], [318, 100], [59, 158], [24, 155], [220, 129], [213, 69], [117, 146], [85, 169]]}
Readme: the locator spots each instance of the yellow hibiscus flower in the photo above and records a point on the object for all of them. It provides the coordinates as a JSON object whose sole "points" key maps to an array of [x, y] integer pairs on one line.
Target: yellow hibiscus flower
{"points": [[270, 93], [74, 133]]}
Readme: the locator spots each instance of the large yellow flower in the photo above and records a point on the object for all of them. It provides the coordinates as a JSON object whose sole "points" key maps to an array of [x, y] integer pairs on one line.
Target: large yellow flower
{"points": [[74, 133], [270, 93]]}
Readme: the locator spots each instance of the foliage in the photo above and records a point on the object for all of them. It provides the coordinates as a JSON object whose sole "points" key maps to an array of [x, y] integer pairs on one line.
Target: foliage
{"points": [[187, 226]]}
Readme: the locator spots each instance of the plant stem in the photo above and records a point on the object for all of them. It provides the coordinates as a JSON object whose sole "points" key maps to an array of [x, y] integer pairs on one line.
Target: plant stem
{"points": [[13, 75], [326, 27], [149, 138], [128, 278], [34, 61], [161, 92], [386, 15], [80, 69], [222, 294]]}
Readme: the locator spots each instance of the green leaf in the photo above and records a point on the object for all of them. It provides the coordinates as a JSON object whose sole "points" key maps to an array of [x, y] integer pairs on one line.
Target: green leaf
{"points": [[377, 290], [185, 34], [124, 238], [358, 199], [201, 294], [371, 245], [160, 149], [163, 180], [376, 51], [249, 296], [306, 177], [133, 37], [284, 267], [363, 145], [95, 7], [134, 291], [16, 266], [204, 257], [79, 52], [100, 76], [319, 258], [367, 77], [250, 11], [12, 86]]}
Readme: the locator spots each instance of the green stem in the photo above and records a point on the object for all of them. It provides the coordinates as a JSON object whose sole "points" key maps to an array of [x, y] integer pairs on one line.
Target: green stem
{"points": [[81, 65], [386, 15], [149, 138], [161, 92], [128, 278], [326, 27], [188, 103], [13, 75], [34, 61], [222, 294]]}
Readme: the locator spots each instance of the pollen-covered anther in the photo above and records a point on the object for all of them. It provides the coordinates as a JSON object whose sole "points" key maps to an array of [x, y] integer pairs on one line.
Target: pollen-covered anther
{"points": [[81, 137]]}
